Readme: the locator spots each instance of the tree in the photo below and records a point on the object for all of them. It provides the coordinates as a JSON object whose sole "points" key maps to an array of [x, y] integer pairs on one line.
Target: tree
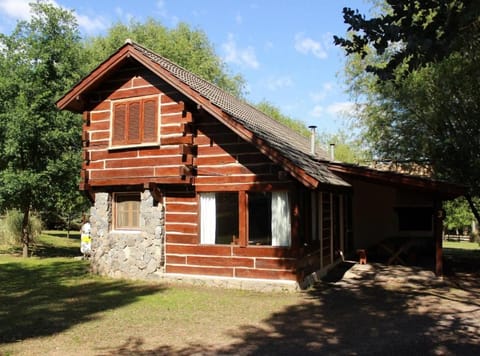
{"points": [[413, 33], [346, 149], [39, 61], [188, 48], [458, 215], [415, 68], [270, 110]]}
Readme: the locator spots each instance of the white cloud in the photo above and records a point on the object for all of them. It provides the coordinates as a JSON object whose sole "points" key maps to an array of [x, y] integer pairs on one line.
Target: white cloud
{"points": [[343, 109], [317, 111], [92, 24], [20, 10], [16, 9], [242, 56], [322, 94], [276, 83], [307, 45]]}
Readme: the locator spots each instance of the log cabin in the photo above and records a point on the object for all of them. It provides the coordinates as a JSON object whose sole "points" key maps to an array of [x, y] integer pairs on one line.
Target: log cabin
{"points": [[188, 182]]}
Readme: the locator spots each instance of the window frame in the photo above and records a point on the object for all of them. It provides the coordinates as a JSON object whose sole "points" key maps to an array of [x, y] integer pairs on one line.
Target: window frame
{"points": [[243, 220], [127, 141], [116, 211]]}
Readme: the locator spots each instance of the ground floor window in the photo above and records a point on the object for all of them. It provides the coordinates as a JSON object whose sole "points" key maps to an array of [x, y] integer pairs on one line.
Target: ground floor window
{"points": [[415, 218], [218, 218], [126, 210], [267, 218]]}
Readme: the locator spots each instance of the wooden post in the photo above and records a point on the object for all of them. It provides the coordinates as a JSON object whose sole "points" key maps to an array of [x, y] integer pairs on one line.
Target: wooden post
{"points": [[438, 216]]}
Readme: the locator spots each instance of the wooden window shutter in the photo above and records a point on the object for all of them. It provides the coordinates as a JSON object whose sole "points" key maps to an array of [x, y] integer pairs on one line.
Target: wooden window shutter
{"points": [[149, 120], [119, 118], [134, 122]]}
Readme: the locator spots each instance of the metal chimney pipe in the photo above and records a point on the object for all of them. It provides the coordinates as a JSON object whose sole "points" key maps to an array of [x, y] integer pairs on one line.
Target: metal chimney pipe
{"points": [[332, 152], [312, 139]]}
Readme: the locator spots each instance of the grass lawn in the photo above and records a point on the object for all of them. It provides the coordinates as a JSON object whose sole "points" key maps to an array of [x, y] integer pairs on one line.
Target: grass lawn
{"points": [[54, 306], [463, 245]]}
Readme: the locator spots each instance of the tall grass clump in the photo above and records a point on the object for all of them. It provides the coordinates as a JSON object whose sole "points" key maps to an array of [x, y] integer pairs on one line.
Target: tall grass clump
{"points": [[11, 227]]}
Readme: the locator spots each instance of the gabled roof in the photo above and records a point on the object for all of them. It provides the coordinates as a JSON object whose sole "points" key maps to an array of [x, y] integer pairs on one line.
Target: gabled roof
{"points": [[280, 143]]}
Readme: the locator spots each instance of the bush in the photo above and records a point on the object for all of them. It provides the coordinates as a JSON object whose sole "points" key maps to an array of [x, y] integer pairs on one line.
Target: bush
{"points": [[11, 227]]}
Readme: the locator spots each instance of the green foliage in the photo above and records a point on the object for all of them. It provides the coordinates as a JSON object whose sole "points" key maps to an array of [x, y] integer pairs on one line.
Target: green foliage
{"points": [[186, 47], [275, 113], [413, 33], [11, 227], [346, 149], [39, 61], [420, 106], [458, 214]]}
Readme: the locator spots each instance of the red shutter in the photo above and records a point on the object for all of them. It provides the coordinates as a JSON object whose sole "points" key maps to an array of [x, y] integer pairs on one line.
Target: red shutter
{"points": [[118, 124], [149, 120], [134, 122]]}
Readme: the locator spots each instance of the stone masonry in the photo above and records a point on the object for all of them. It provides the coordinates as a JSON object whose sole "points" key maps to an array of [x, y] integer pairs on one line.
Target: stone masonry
{"points": [[131, 254]]}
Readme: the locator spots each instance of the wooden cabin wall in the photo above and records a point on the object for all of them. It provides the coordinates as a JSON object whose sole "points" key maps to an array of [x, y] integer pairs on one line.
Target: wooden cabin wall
{"points": [[103, 166], [223, 162]]}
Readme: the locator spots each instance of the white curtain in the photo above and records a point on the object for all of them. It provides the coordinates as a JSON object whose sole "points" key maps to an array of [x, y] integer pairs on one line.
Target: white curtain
{"points": [[207, 218], [281, 228]]}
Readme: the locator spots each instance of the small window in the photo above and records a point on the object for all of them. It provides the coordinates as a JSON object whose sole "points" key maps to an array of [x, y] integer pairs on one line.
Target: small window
{"points": [[415, 219], [127, 211], [135, 122]]}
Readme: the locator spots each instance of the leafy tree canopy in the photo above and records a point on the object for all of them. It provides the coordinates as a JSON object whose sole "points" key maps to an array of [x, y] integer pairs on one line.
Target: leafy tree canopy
{"points": [[413, 33], [39, 145], [415, 70]]}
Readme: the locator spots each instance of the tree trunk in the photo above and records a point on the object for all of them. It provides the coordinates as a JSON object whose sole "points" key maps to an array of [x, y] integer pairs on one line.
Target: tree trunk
{"points": [[473, 208], [68, 226], [25, 234]]}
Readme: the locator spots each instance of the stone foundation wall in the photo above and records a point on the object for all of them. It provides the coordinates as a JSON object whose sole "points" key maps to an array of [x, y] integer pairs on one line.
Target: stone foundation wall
{"points": [[135, 254]]}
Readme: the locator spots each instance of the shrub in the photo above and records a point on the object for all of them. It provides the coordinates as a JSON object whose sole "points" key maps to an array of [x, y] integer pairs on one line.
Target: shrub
{"points": [[11, 227]]}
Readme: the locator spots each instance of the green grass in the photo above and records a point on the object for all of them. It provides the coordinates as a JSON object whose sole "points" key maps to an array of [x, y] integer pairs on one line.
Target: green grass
{"points": [[50, 244], [464, 245], [49, 304]]}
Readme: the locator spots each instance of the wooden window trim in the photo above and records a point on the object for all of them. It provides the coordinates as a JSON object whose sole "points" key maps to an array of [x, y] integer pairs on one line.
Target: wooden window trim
{"points": [[243, 220], [115, 208], [128, 141]]}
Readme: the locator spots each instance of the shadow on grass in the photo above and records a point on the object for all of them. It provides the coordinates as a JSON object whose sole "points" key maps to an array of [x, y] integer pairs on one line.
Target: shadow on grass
{"points": [[48, 296], [45, 250], [377, 310]]}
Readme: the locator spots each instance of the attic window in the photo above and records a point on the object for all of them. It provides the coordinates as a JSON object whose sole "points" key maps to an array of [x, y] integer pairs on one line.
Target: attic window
{"points": [[135, 122]]}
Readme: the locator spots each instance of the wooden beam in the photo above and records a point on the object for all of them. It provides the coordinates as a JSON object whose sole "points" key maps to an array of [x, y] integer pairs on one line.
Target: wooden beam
{"points": [[438, 216]]}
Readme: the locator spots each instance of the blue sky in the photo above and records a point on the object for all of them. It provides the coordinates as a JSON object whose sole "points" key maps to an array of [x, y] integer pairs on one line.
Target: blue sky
{"points": [[283, 48]]}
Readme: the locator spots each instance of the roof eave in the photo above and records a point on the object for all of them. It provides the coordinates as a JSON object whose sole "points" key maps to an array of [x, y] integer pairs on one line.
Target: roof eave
{"points": [[443, 189], [72, 100]]}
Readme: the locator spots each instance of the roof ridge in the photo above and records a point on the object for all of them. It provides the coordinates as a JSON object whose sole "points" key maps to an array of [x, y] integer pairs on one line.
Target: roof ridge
{"points": [[242, 107]]}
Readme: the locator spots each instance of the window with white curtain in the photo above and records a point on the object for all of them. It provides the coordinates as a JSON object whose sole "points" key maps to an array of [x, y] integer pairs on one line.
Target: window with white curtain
{"points": [[218, 218], [269, 222], [281, 228]]}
